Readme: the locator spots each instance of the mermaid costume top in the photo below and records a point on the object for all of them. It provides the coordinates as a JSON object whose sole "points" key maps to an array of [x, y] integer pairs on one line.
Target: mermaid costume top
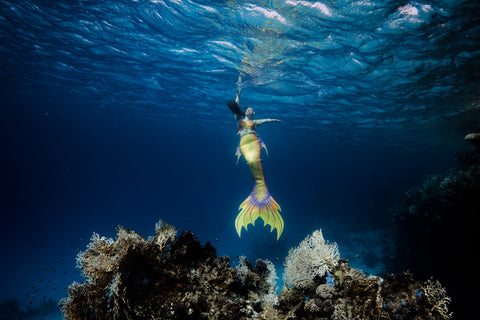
{"points": [[246, 127]]}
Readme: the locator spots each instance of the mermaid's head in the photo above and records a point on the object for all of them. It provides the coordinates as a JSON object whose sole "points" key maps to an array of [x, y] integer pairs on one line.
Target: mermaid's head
{"points": [[249, 113]]}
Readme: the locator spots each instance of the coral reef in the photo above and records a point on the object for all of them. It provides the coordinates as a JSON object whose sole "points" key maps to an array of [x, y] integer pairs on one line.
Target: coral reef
{"points": [[342, 292], [170, 277], [436, 224], [165, 277], [356, 296], [312, 258]]}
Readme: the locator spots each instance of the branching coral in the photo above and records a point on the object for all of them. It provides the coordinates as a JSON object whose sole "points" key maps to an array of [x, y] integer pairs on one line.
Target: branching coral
{"points": [[166, 277], [164, 234], [269, 297], [169, 277], [266, 293], [437, 297], [313, 257], [360, 297], [243, 269], [98, 259]]}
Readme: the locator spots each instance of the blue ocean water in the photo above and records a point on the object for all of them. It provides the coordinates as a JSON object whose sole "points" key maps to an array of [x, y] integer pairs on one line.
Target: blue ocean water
{"points": [[113, 113]]}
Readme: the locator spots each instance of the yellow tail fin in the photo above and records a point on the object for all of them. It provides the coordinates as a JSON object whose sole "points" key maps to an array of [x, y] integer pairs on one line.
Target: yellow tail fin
{"points": [[251, 209]]}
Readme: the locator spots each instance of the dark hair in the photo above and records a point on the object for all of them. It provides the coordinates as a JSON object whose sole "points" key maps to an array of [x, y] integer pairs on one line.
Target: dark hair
{"points": [[235, 108]]}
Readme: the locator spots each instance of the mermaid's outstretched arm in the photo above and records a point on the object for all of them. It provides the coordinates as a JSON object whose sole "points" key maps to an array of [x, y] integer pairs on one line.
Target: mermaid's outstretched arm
{"points": [[262, 121]]}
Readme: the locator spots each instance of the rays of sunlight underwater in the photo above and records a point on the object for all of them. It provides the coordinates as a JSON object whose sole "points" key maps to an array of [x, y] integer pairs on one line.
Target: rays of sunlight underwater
{"points": [[114, 113]]}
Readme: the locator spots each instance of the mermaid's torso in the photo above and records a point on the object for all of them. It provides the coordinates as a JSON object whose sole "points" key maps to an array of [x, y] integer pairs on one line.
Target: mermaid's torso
{"points": [[246, 127], [250, 143]]}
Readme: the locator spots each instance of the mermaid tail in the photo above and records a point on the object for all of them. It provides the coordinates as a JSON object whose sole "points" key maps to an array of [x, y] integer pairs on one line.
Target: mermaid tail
{"points": [[259, 204]]}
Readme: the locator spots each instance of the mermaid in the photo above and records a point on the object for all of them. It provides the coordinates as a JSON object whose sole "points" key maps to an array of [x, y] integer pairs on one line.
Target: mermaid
{"points": [[259, 204]]}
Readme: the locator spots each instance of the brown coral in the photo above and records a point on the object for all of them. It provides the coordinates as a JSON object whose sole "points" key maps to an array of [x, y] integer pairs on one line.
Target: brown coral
{"points": [[164, 277], [168, 277], [356, 296]]}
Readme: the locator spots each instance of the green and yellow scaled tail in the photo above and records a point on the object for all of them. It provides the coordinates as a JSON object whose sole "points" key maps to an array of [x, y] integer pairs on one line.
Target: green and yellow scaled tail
{"points": [[259, 204]]}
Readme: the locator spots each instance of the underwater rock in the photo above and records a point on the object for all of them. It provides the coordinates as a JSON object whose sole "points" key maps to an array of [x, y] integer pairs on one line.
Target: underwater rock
{"points": [[473, 138], [324, 291], [169, 277]]}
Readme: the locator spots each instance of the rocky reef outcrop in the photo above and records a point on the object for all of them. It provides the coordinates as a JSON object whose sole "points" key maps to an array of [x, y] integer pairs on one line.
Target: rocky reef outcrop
{"points": [[437, 224], [164, 277], [347, 293], [170, 277]]}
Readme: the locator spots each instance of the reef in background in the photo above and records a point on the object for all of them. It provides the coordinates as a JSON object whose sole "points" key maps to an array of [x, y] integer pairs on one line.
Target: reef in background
{"points": [[169, 277], [437, 226], [12, 309]]}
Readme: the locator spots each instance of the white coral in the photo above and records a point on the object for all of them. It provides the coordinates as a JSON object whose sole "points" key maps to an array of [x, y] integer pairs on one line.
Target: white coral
{"points": [[313, 257], [272, 277], [164, 234], [98, 258], [270, 299], [242, 269]]}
